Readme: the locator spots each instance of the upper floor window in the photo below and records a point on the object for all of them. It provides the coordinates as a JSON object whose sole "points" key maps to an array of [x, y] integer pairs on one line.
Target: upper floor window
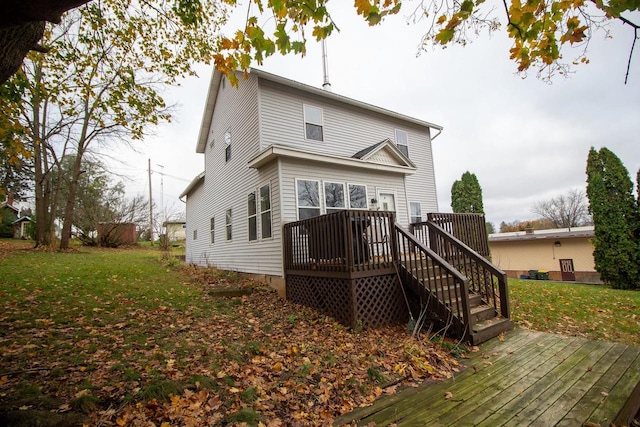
{"points": [[313, 123], [334, 196], [252, 216], [265, 211], [213, 230], [357, 196], [308, 198], [227, 141], [402, 141]]}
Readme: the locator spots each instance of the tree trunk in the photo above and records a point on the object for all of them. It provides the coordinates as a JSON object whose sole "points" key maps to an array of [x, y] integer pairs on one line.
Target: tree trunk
{"points": [[71, 200], [15, 42]]}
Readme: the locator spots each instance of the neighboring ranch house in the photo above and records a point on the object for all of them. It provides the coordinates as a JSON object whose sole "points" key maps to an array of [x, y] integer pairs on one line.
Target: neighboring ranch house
{"points": [[277, 151], [566, 253]]}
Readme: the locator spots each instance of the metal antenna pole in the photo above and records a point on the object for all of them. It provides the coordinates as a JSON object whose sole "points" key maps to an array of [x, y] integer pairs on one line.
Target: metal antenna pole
{"points": [[325, 65]]}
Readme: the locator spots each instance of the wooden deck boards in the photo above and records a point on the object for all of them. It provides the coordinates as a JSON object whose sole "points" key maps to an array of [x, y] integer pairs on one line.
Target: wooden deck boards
{"points": [[530, 378]]}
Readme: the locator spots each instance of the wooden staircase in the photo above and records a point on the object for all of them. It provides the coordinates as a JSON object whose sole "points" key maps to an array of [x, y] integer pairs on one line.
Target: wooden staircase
{"points": [[469, 298]]}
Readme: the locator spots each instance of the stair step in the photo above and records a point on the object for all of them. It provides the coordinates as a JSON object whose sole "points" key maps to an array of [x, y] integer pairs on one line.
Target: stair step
{"points": [[491, 328], [482, 312]]}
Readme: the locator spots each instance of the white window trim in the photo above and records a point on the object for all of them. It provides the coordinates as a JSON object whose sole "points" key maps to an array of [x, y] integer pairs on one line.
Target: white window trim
{"points": [[320, 195], [260, 212], [344, 192], [304, 122], [255, 215], [395, 137], [366, 196]]}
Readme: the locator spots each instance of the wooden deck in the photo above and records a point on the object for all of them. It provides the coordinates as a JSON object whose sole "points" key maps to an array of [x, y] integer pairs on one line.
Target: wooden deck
{"points": [[529, 378]]}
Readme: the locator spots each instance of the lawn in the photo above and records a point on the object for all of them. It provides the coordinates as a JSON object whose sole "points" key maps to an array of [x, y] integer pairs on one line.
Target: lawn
{"points": [[592, 311], [125, 337]]}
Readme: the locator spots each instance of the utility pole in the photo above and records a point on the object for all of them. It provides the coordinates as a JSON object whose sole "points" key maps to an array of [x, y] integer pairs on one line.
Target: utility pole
{"points": [[163, 217], [150, 206]]}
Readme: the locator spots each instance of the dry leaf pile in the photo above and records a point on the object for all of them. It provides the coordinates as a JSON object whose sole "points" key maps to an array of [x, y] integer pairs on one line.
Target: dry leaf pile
{"points": [[254, 359]]}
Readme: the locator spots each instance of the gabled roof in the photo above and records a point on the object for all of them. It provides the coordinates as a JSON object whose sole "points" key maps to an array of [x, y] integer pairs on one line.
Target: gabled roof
{"points": [[216, 78], [13, 208], [22, 219], [272, 152], [384, 152]]}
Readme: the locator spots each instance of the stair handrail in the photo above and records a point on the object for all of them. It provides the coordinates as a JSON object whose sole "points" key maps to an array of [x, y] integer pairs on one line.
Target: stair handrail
{"points": [[444, 265], [474, 257]]}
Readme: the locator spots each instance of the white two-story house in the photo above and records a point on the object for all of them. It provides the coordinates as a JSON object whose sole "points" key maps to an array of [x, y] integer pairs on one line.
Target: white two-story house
{"points": [[277, 151]]}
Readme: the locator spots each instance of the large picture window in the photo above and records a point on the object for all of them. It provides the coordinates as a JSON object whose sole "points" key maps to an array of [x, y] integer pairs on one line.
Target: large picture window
{"points": [[334, 196], [402, 141], [228, 224], [308, 198], [252, 216], [357, 196], [313, 123], [265, 211]]}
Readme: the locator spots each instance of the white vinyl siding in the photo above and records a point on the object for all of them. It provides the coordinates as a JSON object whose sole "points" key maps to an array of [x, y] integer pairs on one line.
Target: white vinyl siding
{"points": [[346, 130]]}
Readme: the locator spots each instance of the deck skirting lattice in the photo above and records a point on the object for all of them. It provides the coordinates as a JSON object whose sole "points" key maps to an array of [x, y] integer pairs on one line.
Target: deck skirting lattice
{"points": [[357, 302]]}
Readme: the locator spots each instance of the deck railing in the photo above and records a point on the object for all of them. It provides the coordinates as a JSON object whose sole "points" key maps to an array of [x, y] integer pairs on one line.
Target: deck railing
{"points": [[484, 278], [348, 241], [443, 289], [466, 227]]}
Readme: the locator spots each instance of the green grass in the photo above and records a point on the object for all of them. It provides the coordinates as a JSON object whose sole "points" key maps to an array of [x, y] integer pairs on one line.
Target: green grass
{"points": [[592, 311], [92, 312]]}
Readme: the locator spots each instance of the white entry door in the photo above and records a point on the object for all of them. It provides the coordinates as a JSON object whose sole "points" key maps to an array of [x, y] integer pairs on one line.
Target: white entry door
{"points": [[387, 202]]}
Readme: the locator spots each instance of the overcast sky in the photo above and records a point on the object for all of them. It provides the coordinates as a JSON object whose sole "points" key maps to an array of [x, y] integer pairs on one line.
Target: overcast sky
{"points": [[525, 140]]}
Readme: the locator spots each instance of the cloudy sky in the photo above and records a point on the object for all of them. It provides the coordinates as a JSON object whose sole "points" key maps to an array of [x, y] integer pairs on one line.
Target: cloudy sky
{"points": [[526, 140]]}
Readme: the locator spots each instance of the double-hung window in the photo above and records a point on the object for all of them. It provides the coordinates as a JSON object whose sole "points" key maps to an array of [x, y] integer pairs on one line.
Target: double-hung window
{"points": [[227, 142], [252, 216], [228, 224], [402, 141], [313, 123], [265, 211], [213, 230], [308, 198], [357, 196], [334, 196]]}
